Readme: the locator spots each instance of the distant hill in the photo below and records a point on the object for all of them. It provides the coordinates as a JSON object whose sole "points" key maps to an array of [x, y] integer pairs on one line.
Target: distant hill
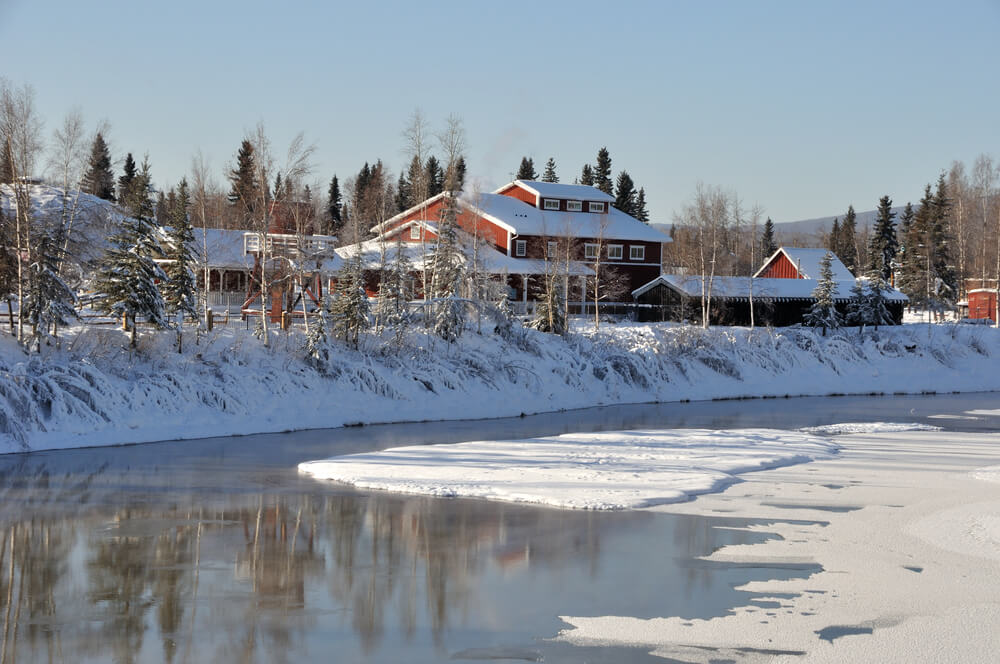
{"points": [[820, 225]]}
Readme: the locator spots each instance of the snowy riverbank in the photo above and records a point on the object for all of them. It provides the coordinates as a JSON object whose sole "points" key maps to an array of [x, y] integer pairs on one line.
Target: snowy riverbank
{"points": [[93, 391], [906, 528]]}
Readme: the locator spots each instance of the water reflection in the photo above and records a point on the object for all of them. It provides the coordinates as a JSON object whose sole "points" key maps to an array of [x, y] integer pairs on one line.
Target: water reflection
{"points": [[219, 550], [274, 577]]}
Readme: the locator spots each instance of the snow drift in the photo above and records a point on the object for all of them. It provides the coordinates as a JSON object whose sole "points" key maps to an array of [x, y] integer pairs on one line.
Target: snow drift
{"points": [[93, 391]]}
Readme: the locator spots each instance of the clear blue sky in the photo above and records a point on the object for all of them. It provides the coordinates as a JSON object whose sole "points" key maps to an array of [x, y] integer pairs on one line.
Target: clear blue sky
{"points": [[800, 106]]}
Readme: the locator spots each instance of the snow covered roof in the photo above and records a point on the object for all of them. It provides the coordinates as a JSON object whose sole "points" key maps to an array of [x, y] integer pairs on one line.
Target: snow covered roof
{"points": [[807, 261], [763, 289], [427, 224], [574, 192], [523, 219], [225, 248], [489, 259]]}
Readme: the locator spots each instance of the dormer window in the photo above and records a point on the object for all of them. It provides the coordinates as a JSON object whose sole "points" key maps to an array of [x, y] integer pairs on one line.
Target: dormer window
{"points": [[574, 206], [596, 207], [550, 203]]}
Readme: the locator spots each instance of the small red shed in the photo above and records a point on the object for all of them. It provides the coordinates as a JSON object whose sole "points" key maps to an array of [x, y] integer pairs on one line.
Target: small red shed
{"points": [[983, 303]]}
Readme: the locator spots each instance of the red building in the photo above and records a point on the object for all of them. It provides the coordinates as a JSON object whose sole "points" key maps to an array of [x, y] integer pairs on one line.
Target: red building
{"points": [[983, 303], [800, 263], [531, 222]]}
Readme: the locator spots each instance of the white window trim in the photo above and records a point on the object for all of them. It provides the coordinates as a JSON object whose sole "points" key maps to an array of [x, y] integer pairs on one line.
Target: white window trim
{"points": [[574, 206], [550, 203], [596, 207], [520, 247], [590, 250], [415, 232], [620, 251], [640, 250], [551, 249]]}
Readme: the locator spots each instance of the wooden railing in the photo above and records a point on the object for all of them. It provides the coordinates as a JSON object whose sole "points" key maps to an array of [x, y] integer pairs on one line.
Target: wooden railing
{"points": [[283, 244]]}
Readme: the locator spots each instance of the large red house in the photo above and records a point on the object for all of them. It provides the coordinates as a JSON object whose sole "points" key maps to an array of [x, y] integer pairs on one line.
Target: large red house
{"points": [[530, 222]]}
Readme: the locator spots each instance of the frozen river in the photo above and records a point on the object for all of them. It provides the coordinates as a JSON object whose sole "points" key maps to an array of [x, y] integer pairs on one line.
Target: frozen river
{"points": [[220, 550]]}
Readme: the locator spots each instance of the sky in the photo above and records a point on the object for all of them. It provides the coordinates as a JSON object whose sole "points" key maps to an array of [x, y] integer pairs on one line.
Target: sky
{"points": [[802, 108]]}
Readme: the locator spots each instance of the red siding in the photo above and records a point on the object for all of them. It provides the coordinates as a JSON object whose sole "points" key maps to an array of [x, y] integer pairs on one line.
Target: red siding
{"points": [[982, 304], [781, 268], [520, 194]]}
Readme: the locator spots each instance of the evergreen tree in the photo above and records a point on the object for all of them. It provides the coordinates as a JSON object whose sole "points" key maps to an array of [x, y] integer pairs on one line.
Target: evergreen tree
{"points": [[868, 302], [49, 300], [847, 249], [434, 177], [460, 170], [550, 309], [641, 213], [587, 175], [403, 193], [127, 277], [550, 171], [908, 279], [6, 165], [317, 344], [823, 312], [882, 246], [447, 276], [945, 275], [602, 171], [395, 293], [526, 170], [768, 245], [245, 188], [833, 239], [180, 290], [625, 193], [350, 309], [99, 180], [126, 181]]}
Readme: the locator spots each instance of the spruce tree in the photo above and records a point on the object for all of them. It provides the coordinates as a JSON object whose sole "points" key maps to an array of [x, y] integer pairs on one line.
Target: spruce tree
{"points": [[847, 249], [768, 245], [869, 305], [350, 309], [550, 309], [823, 312], [625, 193], [49, 300], [125, 182], [882, 246], [602, 171], [833, 239], [334, 220], [946, 284], [180, 290], [527, 170], [910, 244], [587, 175], [395, 293], [434, 177], [550, 171], [641, 213], [127, 276], [447, 276], [245, 189], [460, 171], [6, 164], [403, 193], [99, 180]]}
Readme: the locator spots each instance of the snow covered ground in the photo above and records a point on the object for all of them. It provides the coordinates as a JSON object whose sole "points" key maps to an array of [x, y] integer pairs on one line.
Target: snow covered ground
{"points": [[92, 391], [908, 536], [610, 470]]}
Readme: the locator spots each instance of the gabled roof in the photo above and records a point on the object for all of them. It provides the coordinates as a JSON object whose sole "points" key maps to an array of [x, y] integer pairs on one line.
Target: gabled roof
{"points": [[426, 224], [763, 289], [807, 261], [519, 217], [375, 253], [378, 228], [574, 192]]}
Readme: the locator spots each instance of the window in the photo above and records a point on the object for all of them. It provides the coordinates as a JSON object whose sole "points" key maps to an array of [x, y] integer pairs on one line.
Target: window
{"points": [[595, 207], [551, 250], [550, 203], [615, 252], [636, 253], [520, 247], [590, 251], [574, 206], [414, 232]]}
